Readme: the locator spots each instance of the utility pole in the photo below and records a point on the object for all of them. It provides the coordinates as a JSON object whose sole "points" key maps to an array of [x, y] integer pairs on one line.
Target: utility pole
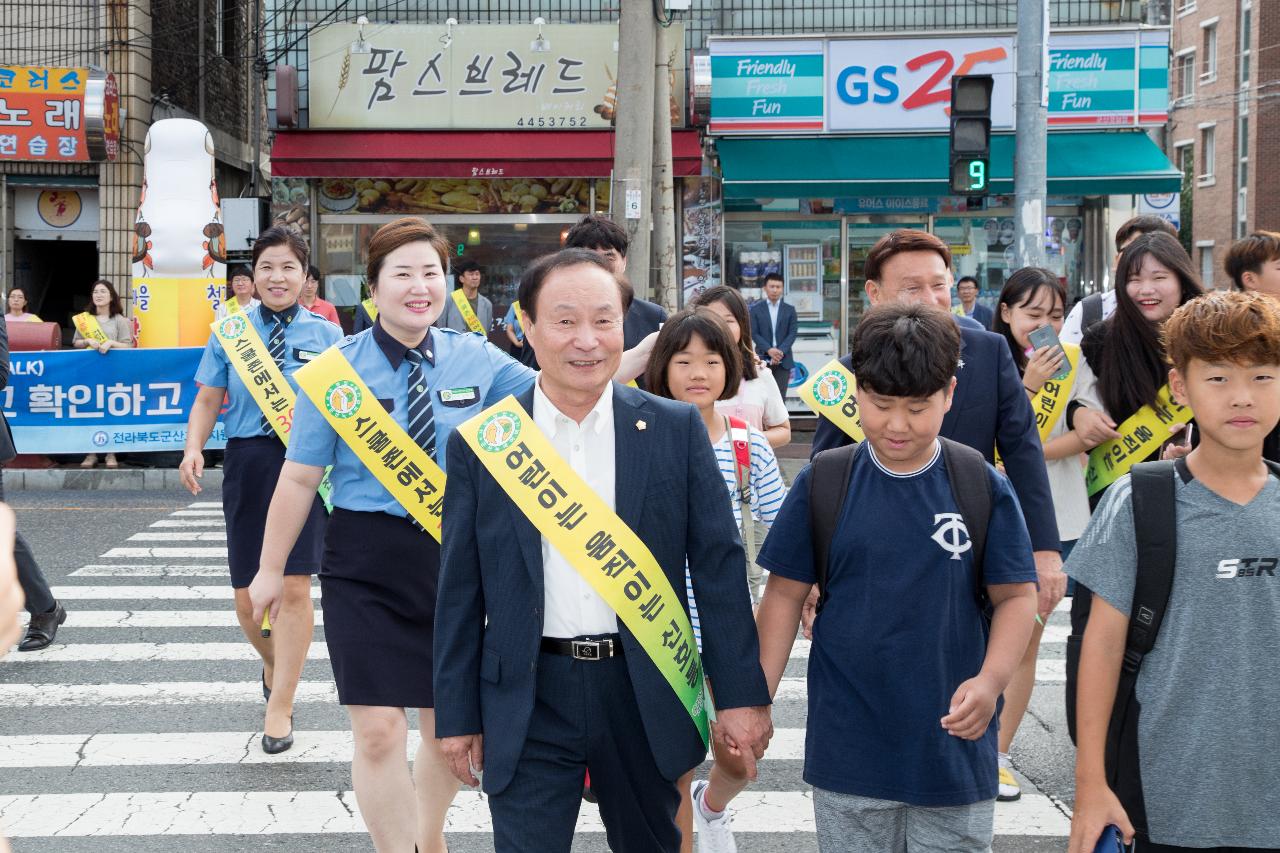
{"points": [[632, 196], [1030, 178], [664, 202]]}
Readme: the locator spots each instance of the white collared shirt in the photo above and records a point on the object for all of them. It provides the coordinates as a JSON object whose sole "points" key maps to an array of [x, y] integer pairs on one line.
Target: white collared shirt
{"points": [[774, 308], [573, 607]]}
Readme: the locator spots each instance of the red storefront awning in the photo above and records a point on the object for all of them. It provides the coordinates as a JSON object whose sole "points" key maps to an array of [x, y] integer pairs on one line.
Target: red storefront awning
{"points": [[460, 154]]}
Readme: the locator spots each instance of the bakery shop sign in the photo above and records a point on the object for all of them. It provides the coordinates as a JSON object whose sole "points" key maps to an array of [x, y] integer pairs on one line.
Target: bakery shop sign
{"points": [[477, 77]]}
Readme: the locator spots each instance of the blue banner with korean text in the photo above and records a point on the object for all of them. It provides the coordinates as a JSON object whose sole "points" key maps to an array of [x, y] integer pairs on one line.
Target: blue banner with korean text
{"points": [[80, 401]]}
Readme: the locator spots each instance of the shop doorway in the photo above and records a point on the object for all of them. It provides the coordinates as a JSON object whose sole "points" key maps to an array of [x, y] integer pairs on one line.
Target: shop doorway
{"points": [[57, 276]]}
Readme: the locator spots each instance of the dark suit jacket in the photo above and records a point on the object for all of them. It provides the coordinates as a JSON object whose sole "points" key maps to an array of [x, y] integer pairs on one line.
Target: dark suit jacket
{"points": [[641, 320], [989, 410], [7, 449], [762, 334], [983, 315], [489, 607]]}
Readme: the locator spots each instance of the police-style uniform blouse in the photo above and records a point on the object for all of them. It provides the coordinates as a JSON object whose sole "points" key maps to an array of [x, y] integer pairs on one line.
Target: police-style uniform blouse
{"points": [[306, 335], [465, 373]]}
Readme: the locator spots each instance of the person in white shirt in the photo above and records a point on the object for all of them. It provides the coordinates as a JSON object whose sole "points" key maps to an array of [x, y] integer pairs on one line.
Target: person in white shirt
{"points": [[240, 281]]}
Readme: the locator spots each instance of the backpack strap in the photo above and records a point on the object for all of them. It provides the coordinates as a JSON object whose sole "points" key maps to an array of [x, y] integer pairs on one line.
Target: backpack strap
{"points": [[971, 488], [740, 440], [828, 486], [1155, 535], [1091, 313]]}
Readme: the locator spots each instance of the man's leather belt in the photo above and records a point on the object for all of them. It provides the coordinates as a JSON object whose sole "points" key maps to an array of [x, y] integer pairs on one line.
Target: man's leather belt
{"points": [[595, 648]]}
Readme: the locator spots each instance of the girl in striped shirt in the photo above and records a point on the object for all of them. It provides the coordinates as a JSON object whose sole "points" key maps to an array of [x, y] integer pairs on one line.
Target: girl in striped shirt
{"points": [[696, 360]]}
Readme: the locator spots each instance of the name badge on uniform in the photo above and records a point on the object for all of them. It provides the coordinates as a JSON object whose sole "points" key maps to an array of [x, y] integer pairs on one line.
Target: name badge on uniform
{"points": [[304, 355], [460, 397]]}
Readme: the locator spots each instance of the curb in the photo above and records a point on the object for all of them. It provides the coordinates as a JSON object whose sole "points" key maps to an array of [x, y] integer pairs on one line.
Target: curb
{"points": [[128, 479]]}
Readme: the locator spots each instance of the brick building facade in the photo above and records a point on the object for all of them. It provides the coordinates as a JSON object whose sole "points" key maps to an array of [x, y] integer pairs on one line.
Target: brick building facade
{"points": [[1224, 123]]}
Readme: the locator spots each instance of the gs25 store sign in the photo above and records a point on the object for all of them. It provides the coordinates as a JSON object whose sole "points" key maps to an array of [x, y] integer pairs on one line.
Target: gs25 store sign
{"points": [[905, 84]]}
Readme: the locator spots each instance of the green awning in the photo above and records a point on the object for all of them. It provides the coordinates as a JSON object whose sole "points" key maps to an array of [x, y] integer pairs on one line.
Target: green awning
{"points": [[1080, 163]]}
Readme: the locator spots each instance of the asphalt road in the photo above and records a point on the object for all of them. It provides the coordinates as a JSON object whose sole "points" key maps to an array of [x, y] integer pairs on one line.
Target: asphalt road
{"points": [[88, 767]]}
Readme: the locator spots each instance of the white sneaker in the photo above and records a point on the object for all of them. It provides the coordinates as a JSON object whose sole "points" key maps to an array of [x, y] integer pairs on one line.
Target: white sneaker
{"points": [[1009, 790], [713, 836]]}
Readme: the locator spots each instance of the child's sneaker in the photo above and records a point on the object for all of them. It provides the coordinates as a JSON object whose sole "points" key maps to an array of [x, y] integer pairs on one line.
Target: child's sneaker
{"points": [[1009, 788], [714, 835]]}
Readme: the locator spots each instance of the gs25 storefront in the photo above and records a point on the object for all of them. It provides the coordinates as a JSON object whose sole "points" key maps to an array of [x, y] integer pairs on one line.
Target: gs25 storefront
{"points": [[826, 144]]}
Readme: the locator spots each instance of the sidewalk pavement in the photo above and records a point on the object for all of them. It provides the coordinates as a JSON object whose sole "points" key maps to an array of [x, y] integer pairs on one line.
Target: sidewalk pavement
{"points": [[101, 479]]}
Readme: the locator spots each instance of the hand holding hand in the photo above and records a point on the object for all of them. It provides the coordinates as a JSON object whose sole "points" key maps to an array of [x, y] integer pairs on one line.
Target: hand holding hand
{"points": [[462, 753], [972, 706], [746, 732]]}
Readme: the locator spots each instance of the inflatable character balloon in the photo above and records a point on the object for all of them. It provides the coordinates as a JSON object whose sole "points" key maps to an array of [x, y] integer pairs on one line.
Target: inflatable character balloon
{"points": [[179, 246]]}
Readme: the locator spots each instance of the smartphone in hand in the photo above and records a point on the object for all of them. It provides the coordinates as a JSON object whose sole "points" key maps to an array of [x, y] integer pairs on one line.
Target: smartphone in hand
{"points": [[1045, 336], [1110, 841]]}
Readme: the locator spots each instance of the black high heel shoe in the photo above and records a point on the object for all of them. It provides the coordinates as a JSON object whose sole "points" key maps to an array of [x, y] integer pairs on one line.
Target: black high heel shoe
{"points": [[276, 745]]}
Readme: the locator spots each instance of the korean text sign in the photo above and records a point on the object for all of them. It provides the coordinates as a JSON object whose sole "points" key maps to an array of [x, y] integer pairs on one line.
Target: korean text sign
{"points": [[42, 113], [78, 401], [557, 77]]}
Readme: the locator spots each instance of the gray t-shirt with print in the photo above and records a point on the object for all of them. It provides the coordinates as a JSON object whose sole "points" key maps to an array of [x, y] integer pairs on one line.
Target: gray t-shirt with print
{"points": [[1209, 734]]}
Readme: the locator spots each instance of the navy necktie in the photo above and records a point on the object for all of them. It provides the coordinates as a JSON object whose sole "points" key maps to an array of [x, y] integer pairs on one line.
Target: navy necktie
{"points": [[275, 348], [421, 425]]}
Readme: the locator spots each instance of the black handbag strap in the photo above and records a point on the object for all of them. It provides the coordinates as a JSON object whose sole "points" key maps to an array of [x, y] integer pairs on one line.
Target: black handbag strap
{"points": [[828, 486]]}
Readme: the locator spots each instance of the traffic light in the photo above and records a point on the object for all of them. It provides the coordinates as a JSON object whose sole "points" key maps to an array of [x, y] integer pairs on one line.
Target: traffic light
{"points": [[971, 134]]}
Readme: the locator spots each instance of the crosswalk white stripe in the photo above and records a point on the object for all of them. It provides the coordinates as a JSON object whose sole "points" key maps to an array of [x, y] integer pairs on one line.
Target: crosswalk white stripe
{"points": [[165, 553], [151, 593], [151, 694], [148, 749], [205, 505], [198, 513], [150, 653], [189, 522], [158, 619], [155, 570], [180, 536], [321, 812]]}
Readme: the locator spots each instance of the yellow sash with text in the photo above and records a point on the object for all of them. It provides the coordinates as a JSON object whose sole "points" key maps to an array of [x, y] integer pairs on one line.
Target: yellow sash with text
{"points": [[1053, 397], [832, 394], [596, 542], [263, 378], [402, 467], [1141, 434], [464, 308], [233, 307], [89, 327]]}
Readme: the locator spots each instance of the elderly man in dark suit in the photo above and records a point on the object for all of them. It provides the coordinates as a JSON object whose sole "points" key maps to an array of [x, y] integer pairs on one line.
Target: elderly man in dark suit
{"points": [[773, 330], [989, 410], [536, 678], [46, 613]]}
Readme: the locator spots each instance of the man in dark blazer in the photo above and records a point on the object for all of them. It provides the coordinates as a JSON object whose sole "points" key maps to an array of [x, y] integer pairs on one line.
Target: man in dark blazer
{"points": [[989, 409], [967, 290], [773, 329], [516, 696], [46, 613]]}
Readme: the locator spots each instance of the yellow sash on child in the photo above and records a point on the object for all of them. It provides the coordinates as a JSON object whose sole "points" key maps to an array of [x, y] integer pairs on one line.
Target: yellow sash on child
{"points": [[402, 467], [604, 550], [1141, 434]]}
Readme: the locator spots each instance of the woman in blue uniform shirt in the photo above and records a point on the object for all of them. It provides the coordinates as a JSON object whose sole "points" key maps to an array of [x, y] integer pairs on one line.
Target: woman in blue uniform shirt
{"points": [[252, 465], [379, 572]]}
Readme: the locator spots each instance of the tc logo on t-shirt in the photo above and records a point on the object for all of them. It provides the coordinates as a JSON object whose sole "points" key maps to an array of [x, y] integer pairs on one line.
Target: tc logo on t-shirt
{"points": [[951, 533], [1248, 567]]}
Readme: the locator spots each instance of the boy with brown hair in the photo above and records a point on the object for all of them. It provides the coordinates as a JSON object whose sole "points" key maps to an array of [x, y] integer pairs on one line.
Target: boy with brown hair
{"points": [[1199, 703]]}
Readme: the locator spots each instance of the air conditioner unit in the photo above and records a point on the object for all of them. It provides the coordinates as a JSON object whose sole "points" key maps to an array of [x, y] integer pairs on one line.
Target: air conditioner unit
{"points": [[242, 220]]}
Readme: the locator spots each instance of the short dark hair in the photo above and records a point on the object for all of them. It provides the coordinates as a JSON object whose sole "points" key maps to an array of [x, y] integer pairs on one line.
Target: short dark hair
{"points": [[536, 276], [773, 276], [465, 265], [901, 350], [1021, 288], [239, 269], [678, 330], [597, 231], [278, 235], [114, 309], [898, 242], [313, 271], [965, 278], [1249, 254], [1147, 223]]}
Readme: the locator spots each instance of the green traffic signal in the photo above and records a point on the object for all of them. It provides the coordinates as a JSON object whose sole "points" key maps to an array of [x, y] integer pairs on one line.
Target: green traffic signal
{"points": [[969, 176]]}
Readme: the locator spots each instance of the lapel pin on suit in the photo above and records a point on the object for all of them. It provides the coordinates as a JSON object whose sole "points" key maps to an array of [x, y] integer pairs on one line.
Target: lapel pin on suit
{"points": [[641, 425]]}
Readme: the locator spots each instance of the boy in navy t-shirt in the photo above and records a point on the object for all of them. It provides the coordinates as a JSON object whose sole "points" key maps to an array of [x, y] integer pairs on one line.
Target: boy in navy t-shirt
{"points": [[903, 679]]}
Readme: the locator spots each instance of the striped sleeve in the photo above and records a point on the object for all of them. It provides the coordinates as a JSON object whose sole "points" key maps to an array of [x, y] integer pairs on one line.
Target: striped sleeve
{"points": [[767, 487]]}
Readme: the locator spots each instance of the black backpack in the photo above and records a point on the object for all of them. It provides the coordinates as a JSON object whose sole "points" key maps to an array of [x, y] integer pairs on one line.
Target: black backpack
{"points": [[1090, 311], [1155, 535], [829, 484]]}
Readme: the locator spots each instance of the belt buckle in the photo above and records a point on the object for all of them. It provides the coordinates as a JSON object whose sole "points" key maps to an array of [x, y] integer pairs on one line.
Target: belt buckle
{"points": [[586, 649]]}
